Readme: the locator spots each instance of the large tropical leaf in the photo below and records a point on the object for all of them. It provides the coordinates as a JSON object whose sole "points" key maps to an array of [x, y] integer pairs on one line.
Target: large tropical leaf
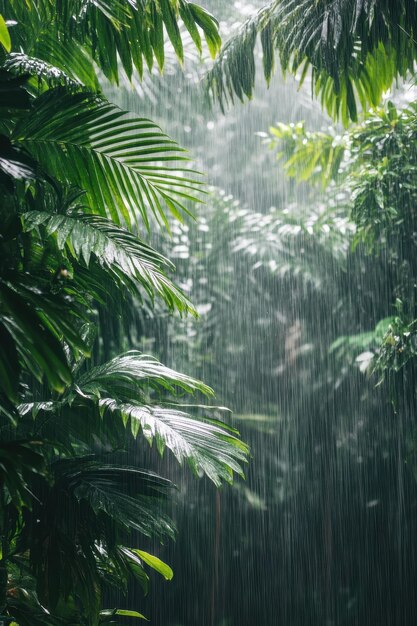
{"points": [[131, 32], [123, 162], [69, 543], [207, 445], [355, 50], [127, 259], [122, 386], [135, 373]]}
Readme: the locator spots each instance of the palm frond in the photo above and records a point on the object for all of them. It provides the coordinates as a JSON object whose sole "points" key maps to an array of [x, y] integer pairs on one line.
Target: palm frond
{"points": [[69, 57], [316, 157], [207, 447], [354, 50], [19, 63], [128, 495], [121, 386], [159, 89], [110, 31], [19, 460], [134, 372], [123, 162], [124, 255], [98, 500]]}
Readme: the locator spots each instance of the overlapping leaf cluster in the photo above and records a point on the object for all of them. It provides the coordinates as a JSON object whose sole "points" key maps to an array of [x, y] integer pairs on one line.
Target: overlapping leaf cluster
{"points": [[374, 165], [354, 50], [82, 183]]}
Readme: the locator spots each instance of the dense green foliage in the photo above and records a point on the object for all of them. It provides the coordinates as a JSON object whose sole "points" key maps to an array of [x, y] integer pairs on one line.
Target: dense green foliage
{"points": [[354, 49], [307, 314], [82, 183], [308, 321], [374, 165]]}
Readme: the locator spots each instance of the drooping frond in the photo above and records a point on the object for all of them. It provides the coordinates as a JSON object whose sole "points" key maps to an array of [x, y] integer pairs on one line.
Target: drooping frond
{"points": [[135, 371], [159, 89], [206, 445], [69, 57], [122, 386], [99, 500], [21, 64], [123, 162], [33, 324], [126, 494], [128, 260], [128, 394], [354, 50], [110, 31]]}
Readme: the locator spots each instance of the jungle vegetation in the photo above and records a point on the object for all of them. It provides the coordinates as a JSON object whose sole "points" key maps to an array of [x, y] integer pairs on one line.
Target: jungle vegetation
{"points": [[83, 183], [307, 322], [319, 359]]}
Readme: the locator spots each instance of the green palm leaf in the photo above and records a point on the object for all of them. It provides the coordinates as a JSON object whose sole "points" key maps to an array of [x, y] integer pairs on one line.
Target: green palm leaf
{"points": [[70, 544], [123, 162], [33, 324], [354, 49], [108, 31], [121, 385], [134, 372], [206, 447], [316, 157], [71, 58], [19, 63], [18, 461], [128, 495], [121, 253]]}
